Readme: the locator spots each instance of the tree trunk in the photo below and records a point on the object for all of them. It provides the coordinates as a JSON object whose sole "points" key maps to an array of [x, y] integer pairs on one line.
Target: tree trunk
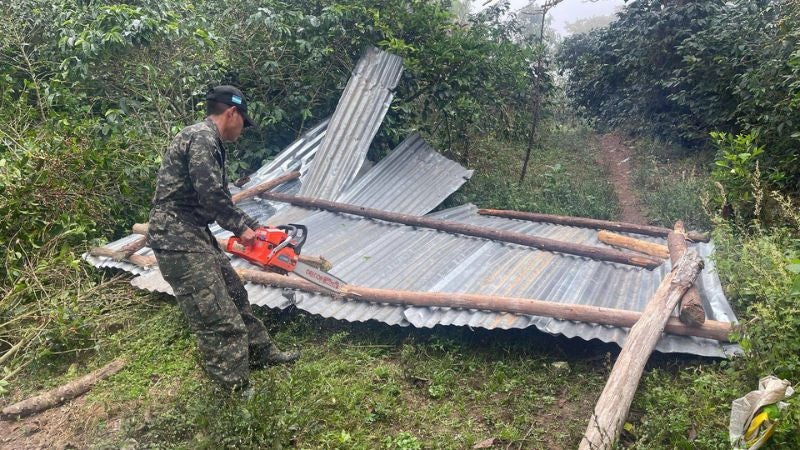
{"points": [[691, 307], [615, 401]]}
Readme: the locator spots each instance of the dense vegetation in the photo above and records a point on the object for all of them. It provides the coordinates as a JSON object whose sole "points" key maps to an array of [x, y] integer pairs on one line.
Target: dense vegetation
{"points": [[90, 92], [683, 69]]}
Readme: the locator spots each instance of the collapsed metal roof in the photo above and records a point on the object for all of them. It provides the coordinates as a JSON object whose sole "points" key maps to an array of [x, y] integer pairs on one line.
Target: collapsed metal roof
{"points": [[415, 179]]}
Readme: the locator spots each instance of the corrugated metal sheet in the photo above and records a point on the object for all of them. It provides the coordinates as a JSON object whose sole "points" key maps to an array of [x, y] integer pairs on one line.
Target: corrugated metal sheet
{"points": [[354, 123], [378, 254]]}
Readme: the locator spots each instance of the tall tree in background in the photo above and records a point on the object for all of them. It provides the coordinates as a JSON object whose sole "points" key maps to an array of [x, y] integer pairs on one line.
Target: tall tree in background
{"points": [[536, 85]]}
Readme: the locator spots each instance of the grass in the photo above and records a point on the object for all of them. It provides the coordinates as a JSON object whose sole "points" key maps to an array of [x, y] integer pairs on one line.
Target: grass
{"points": [[356, 386], [671, 183], [562, 178]]}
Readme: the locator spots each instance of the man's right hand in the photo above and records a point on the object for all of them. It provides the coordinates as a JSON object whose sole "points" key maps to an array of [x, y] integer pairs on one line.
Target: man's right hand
{"points": [[248, 236]]}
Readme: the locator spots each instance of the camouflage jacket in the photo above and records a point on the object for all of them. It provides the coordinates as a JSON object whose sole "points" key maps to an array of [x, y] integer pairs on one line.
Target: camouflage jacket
{"points": [[192, 192]]}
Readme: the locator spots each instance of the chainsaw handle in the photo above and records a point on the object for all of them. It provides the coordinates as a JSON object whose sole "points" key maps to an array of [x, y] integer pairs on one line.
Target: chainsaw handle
{"points": [[298, 245]]}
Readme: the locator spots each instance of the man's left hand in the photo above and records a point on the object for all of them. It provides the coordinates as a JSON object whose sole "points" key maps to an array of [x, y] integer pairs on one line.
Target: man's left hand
{"points": [[248, 236]]}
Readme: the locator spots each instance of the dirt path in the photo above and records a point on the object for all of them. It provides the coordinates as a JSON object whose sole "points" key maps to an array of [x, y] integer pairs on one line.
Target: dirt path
{"points": [[615, 156]]}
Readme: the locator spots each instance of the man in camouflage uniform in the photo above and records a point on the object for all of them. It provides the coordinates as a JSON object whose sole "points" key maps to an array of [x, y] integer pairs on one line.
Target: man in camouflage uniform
{"points": [[191, 193]]}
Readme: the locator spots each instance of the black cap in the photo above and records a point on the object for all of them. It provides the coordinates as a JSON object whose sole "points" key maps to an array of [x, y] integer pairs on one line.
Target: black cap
{"points": [[229, 95]]}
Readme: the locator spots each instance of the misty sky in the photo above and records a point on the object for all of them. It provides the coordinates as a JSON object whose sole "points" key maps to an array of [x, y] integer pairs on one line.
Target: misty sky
{"points": [[569, 10]]}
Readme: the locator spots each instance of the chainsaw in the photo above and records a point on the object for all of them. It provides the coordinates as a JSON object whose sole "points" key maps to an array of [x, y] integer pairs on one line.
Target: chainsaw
{"points": [[278, 250]]}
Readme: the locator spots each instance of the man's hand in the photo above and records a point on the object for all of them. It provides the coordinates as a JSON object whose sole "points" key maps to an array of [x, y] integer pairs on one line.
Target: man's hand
{"points": [[248, 236]]}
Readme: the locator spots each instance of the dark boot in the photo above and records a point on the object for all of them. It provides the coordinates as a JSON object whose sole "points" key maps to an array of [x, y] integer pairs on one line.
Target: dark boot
{"points": [[270, 356], [275, 356]]}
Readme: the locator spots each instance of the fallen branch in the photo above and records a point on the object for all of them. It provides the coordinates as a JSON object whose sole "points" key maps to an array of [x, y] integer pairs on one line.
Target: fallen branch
{"points": [[647, 230], [599, 253], [691, 310], [61, 394], [615, 401], [638, 245]]}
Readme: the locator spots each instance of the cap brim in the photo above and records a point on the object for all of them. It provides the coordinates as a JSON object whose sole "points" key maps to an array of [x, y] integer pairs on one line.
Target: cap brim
{"points": [[248, 122]]}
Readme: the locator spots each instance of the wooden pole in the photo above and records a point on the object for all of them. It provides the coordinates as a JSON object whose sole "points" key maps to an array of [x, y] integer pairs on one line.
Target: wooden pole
{"points": [[603, 254], [563, 311], [61, 394], [647, 230], [691, 307], [615, 401], [618, 240], [133, 247], [264, 187]]}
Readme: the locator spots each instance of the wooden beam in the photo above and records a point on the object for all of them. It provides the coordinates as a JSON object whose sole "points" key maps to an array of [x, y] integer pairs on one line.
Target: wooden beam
{"points": [[691, 306], [647, 230], [562, 311], [638, 245], [614, 403], [265, 186], [147, 261], [603, 254]]}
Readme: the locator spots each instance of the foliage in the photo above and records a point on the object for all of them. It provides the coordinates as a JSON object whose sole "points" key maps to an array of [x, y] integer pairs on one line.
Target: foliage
{"points": [[687, 406], [682, 69]]}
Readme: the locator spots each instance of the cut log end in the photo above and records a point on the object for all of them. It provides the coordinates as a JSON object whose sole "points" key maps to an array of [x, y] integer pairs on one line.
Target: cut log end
{"points": [[692, 314]]}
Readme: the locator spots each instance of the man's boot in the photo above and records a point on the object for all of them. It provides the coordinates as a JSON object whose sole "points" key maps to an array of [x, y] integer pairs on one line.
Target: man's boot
{"points": [[275, 356], [271, 355]]}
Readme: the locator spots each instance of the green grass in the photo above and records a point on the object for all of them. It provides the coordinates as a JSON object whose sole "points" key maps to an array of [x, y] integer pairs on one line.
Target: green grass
{"points": [[562, 178], [356, 386], [671, 183]]}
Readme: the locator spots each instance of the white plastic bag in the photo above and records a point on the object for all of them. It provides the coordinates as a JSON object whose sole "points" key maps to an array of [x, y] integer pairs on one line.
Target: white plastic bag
{"points": [[743, 431]]}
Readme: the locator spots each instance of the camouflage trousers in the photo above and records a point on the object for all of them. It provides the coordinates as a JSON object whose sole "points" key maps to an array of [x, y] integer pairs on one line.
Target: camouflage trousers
{"points": [[214, 302]]}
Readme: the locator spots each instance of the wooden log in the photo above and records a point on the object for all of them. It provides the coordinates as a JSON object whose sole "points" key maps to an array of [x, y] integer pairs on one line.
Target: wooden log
{"points": [[603, 254], [615, 401], [146, 261], [719, 331], [61, 394], [563, 311], [139, 260], [647, 230], [265, 186], [691, 306], [638, 245]]}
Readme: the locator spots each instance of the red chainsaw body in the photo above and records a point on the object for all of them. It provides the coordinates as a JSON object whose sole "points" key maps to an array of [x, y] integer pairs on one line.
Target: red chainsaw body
{"points": [[262, 251]]}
